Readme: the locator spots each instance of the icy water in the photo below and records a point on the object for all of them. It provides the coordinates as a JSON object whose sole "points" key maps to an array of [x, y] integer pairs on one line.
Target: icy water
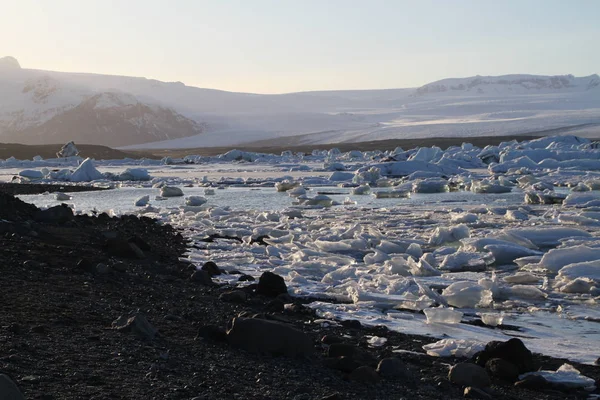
{"points": [[483, 253], [543, 323], [261, 199]]}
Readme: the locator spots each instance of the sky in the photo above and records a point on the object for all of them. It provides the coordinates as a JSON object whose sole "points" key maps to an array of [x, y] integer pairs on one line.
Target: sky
{"points": [[278, 46]]}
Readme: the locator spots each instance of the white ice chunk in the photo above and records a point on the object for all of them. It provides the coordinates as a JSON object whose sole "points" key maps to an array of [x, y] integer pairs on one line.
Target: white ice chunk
{"points": [[31, 173], [567, 376], [454, 347], [504, 254], [467, 294], [62, 196], [86, 172], [588, 269], [464, 218], [361, 190], [452, 234], [556, 259], [545, 237], [442, 315], [142, 201], [195, 201], [492, 319], [522, 278], [170, 191], [463, 261]]}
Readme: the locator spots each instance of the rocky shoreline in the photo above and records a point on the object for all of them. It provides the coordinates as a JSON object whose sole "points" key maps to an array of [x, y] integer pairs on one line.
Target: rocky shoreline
{"points": [[102, 308]]}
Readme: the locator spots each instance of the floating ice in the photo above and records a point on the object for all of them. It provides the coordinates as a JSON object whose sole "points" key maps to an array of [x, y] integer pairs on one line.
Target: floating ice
{"points": [[442, 315], [467, 294], [588, 269], [171, 191], [31, 174], [454, 347], [391, 194], [62, 196], [195, 201], [463, 261], [492, 319], [86, 172], [507, 254], [361, 190], [452, 234], [431, 185], [556, 259], [566, 376], [142, 201]]}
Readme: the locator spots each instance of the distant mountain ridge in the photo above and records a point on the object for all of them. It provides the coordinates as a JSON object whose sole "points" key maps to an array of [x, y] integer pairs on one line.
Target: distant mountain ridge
{"points": [[517, 83], [38, 107]]}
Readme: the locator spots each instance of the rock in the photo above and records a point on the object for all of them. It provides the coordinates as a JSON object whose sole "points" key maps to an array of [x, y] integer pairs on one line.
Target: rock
{"points": [[364, 374], [344, 364], [351, 323], [235, 296], [502, 369], [475, 393], [331, 339], [211, 268], [9, 390], [202, 277], [512, 350], [532, 382], [55, 215], [136, 323], [271, 285], [102, 268], [268, 337], [246, 278], [119, 266], [212, 332], [468, 374], [392, 368]]}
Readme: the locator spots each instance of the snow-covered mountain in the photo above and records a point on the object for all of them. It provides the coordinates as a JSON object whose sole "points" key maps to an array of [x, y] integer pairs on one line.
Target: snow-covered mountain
{"points": [[511, 84], [48, 107], [38, 107]]}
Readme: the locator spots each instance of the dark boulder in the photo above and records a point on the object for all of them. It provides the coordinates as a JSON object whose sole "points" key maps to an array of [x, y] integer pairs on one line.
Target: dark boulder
{"points": [[271, 285], [502, 369], [513, 351], [211, 268], [9, 390], [55, 215]]}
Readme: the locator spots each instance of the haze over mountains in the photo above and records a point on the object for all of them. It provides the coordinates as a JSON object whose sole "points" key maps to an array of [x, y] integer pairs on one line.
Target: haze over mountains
{"points": [[43, 107]]}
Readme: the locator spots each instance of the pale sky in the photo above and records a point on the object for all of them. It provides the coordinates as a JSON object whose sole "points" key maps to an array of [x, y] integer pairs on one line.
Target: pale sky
{"points": [[275, 46]]}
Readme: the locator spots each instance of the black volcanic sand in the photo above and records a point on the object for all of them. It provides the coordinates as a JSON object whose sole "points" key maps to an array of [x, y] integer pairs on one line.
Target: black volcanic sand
{"points": [[56, 339]]}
